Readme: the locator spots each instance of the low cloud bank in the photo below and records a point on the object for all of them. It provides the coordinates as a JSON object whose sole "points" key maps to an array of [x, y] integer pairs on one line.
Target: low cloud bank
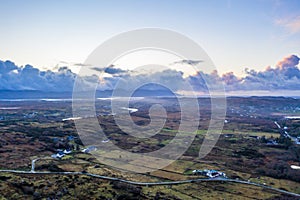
{"points": [[284, 76]]}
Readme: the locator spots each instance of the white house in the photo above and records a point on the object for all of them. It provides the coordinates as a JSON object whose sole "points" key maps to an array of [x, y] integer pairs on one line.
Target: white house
{"points": [[210, 173], [67, 151]]}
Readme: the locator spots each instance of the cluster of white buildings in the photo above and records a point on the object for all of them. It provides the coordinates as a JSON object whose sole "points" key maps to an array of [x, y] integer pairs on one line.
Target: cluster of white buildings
{"points": [[61, 153], [210, 173]]}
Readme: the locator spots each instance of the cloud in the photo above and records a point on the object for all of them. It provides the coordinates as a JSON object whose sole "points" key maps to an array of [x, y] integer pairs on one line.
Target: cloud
{"points": [[288, 62], [74, 64], [109, 70], [81, 64], [172, 79], [292, 24], [188, 62], [7, 66], [30, 78], [115, 71], [285, 75]]}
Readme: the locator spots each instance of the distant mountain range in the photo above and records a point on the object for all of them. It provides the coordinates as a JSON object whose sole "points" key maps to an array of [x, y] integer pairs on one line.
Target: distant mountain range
{"points": [[35, 94]]}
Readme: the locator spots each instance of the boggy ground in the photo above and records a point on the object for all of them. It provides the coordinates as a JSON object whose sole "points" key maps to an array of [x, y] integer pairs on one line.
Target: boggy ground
{"points": [[36, 130]]}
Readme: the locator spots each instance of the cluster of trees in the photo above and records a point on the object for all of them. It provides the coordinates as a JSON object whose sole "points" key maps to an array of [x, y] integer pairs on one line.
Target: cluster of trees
{"points": [[279, 169], [284, 142]]}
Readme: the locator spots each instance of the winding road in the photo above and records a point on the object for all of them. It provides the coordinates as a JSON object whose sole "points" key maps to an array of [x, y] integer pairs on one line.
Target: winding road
{"points": [[32, 171]]}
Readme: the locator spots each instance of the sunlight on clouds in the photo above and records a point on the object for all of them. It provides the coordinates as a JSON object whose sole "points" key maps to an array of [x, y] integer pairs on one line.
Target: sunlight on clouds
{"points": [[139, 58]]}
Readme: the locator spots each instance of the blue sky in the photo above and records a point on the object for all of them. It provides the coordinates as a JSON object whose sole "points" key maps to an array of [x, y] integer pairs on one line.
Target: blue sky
{"points": [[235, 34]]}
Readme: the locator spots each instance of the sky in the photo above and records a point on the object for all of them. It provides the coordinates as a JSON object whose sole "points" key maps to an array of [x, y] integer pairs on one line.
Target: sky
{"points": [[235, 34]]}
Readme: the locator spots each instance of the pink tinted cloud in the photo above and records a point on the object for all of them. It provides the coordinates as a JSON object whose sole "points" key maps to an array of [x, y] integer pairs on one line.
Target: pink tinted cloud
{"points": [[289, 61], [292, 24]]}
